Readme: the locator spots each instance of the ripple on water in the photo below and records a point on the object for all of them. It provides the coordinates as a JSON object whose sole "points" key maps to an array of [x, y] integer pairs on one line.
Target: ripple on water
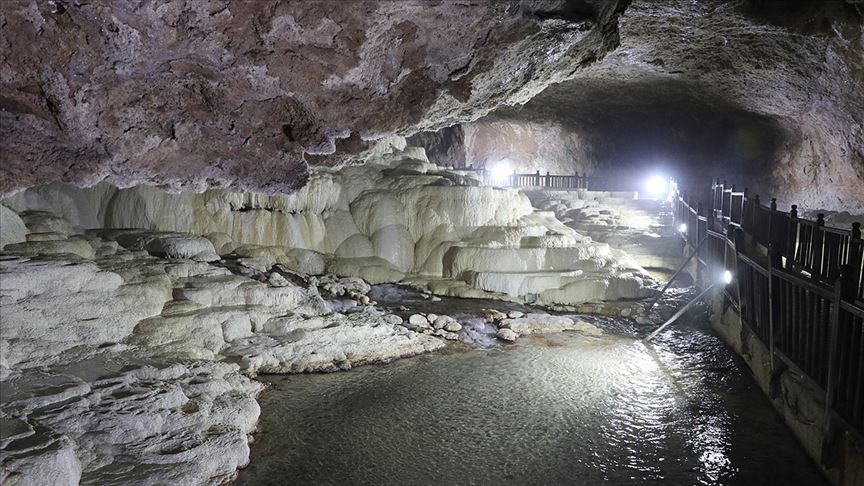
{"points": [[582, 411]]}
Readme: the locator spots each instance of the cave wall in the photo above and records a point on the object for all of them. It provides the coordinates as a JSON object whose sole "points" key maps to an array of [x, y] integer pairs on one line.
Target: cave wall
{"points": [[445, 147], [527, 147]]}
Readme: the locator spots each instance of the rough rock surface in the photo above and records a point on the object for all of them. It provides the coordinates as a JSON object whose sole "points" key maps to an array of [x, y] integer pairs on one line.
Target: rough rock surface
{"points": [[133, 421], [333, 343], [766, 94], [235, 94], [126, 368], [538, 323], [50, 307]]}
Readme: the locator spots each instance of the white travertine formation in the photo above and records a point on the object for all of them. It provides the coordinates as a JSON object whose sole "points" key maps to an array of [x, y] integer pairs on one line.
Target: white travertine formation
{"points": [[396, 217], [129, 420], [113, 369]]}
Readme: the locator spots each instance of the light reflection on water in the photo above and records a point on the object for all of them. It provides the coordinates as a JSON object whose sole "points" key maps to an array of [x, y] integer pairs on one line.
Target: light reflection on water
{"points": [[563, 409]]}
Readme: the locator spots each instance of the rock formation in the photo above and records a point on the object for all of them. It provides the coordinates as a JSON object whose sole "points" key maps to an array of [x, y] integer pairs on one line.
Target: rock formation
{"points": [[397, 216], [240, 95], [768, 93]]}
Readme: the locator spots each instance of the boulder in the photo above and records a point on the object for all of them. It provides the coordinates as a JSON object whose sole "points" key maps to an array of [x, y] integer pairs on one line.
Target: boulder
{"points": [[418, 320], [181, 245], [453, 326], [440, 321]]}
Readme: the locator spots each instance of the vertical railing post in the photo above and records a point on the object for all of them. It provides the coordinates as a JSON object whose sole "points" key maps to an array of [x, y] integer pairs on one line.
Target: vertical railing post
{"points": [[737, 242], [700, 211], [772, 248], [731, 200], [792, 236], [771, 314], [817, 248], [856, 255], [715, 188], [754, 212], [832, 346]]}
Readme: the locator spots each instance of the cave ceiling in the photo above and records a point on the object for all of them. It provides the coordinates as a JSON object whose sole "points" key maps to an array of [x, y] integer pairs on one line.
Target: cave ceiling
{"points": [[246, 95]]}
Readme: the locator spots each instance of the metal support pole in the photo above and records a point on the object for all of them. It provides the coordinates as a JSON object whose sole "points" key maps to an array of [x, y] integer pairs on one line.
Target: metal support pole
{"points": [[677, 314], [680, 269]]}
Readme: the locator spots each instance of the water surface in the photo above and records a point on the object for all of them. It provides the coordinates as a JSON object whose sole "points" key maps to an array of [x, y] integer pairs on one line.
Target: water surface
{"points": [[562, 409]]}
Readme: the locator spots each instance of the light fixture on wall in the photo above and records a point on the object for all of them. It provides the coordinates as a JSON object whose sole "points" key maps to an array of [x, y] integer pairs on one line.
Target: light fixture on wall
{"points": [[682, 228], [500, 171], [656, 186]]}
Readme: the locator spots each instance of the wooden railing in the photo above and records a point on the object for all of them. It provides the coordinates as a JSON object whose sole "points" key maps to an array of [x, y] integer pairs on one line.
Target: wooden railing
{"points": [[798, 286], [536, 179]]}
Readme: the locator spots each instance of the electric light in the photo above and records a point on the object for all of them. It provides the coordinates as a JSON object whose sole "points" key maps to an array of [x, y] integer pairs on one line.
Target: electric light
{"points": [[682, 228], [727, 277], [500, 172], [656, 185]]}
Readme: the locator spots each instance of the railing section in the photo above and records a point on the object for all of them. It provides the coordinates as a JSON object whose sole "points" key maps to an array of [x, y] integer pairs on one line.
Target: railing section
{"points": [[798, 285], [537, 179]]}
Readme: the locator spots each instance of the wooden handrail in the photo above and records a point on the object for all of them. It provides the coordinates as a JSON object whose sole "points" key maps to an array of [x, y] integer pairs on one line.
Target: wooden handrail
{"points": [[801, 295]]}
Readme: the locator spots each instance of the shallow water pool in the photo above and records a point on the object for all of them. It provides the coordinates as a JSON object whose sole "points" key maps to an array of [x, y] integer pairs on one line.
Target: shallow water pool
{"points": [[561, 409]]}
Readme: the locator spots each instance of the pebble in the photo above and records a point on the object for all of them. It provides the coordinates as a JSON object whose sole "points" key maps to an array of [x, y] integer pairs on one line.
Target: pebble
{"points": [[453, 326], [418, 320], [515, 314], [507, 334]]}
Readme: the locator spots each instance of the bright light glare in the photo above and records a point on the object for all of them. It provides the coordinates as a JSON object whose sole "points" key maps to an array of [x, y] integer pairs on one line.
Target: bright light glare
{"points": [[727, 277], [501, 171], [656, 185], [682, 228]]}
